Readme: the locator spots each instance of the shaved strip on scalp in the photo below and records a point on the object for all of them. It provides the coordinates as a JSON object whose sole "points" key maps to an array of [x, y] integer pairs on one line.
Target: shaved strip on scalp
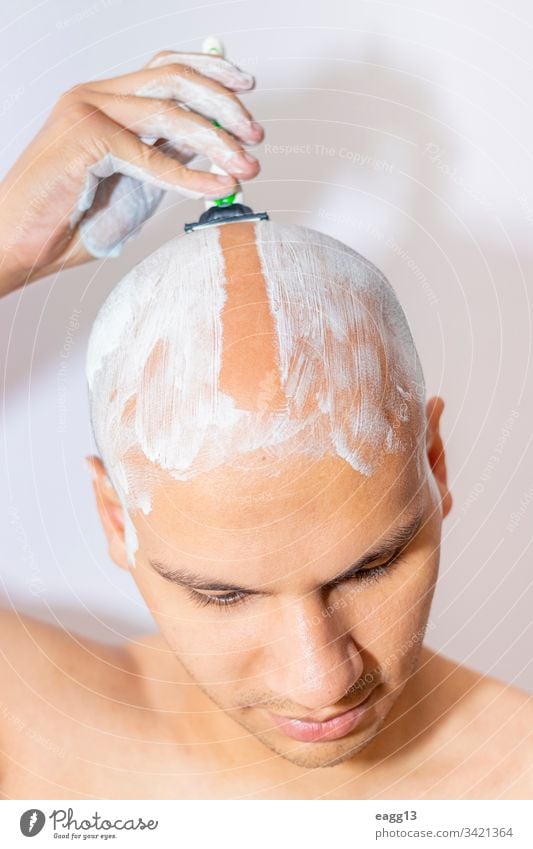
{"points": [[249, 370]]}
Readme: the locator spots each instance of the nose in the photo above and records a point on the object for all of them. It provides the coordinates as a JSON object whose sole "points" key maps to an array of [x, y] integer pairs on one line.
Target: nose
{"points": [[314, 659]]}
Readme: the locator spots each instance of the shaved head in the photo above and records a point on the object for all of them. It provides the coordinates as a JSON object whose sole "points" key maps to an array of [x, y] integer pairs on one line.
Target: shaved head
{"points": [[250, 343]]}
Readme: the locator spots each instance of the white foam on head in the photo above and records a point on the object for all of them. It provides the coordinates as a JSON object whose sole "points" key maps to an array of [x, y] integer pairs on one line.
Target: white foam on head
{"points": [[344, 344], [346, 361]]}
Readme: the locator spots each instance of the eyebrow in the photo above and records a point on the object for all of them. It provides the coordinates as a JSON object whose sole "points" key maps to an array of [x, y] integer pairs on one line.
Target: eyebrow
{"points": [[391, 544]]}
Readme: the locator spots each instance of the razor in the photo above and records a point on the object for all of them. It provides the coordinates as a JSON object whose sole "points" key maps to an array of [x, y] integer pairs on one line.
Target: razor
{"points": [[229, 209]]}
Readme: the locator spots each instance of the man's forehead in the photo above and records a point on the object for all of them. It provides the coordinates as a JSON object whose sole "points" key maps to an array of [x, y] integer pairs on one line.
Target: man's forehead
{"points": [[297, 499], [295, 537]]}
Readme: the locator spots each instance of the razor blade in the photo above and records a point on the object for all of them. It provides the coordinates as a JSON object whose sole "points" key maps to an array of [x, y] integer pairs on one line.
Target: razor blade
{"points": [[217, 215]]}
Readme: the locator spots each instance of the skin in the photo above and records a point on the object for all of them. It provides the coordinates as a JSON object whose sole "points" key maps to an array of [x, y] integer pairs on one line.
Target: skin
{"points": [[182, 713]]}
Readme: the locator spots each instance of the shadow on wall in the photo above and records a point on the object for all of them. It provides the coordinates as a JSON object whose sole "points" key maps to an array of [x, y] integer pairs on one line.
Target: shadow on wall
{"points": [[364, 140]]}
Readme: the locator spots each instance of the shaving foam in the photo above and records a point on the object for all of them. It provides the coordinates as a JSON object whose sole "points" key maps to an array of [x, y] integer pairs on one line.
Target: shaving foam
{"points": [[345, 361]]}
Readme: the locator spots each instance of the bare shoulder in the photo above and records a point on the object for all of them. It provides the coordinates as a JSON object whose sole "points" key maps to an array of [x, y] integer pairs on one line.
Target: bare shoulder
{"points": [[46, 669], [24, 642], [31, 649], [496, 703], [61, 696], [491, 723]]}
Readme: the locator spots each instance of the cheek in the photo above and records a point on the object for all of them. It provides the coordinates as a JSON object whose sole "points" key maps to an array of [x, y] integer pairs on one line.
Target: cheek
{"points": [[394, 623], [216, 646], [221, 663]]}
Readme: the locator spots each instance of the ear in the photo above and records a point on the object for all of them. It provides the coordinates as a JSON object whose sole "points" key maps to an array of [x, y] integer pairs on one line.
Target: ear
{"points": [[435, 451], [110, 510]]}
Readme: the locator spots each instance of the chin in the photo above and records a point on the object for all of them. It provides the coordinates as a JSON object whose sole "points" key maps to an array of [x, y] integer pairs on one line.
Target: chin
{"points": [[320, 755]]}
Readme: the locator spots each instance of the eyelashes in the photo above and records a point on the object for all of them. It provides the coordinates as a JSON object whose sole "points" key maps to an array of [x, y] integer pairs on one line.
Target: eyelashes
{"points": [[231, 599], [375, 573]]}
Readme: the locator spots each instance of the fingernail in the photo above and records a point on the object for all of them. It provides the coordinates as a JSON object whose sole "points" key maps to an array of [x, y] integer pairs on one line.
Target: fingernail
{"points": [[243, 82], [240, 162], [225, 189], [250, 129]]}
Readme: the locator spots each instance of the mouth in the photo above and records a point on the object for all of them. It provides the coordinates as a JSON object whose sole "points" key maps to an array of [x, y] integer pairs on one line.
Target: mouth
{"points": [[313, 731]]}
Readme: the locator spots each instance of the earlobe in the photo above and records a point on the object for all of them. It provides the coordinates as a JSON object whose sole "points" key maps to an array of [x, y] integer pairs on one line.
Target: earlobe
{"points": [[110, 511], [435, 451]]}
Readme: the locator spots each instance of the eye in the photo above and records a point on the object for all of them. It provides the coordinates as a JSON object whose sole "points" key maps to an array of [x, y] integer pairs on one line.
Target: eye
{"points": [[225, 600], [374, 573], [380, 571]]}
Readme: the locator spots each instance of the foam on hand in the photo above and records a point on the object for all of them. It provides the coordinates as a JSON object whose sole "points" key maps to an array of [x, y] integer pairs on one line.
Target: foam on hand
{"points": [[118, 197]]}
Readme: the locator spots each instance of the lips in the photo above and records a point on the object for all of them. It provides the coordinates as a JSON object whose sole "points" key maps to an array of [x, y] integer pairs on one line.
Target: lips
{"points": [[311, 731]]}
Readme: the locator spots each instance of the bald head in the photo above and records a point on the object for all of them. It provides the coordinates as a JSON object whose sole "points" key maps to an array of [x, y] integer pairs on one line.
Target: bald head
{"points": [[245, 343]]}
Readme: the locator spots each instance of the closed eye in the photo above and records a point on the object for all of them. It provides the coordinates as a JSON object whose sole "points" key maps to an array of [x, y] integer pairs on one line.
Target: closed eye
{"points": [[374, 572], [203, 599], [231, 599]]}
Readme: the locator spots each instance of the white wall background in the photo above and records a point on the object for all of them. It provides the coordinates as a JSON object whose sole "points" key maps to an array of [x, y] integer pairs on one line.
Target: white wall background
{"points": [[418, 116]]}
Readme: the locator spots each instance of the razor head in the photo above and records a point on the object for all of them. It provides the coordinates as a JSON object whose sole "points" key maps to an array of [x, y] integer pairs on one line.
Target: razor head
{"points": [[230, 214]]}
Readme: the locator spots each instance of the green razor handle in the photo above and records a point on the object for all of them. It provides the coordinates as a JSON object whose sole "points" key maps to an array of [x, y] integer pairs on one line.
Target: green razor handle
{"points": [[230, 198]]}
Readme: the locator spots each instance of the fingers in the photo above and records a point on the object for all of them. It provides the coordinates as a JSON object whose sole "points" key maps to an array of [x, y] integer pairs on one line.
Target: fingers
{"points": [[209, 65], [117, 150], [204, 96], [135, 159], [163, 119]]}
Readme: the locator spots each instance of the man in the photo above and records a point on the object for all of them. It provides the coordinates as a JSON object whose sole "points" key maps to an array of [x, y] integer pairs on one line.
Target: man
{"points": [[275, 482]]}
